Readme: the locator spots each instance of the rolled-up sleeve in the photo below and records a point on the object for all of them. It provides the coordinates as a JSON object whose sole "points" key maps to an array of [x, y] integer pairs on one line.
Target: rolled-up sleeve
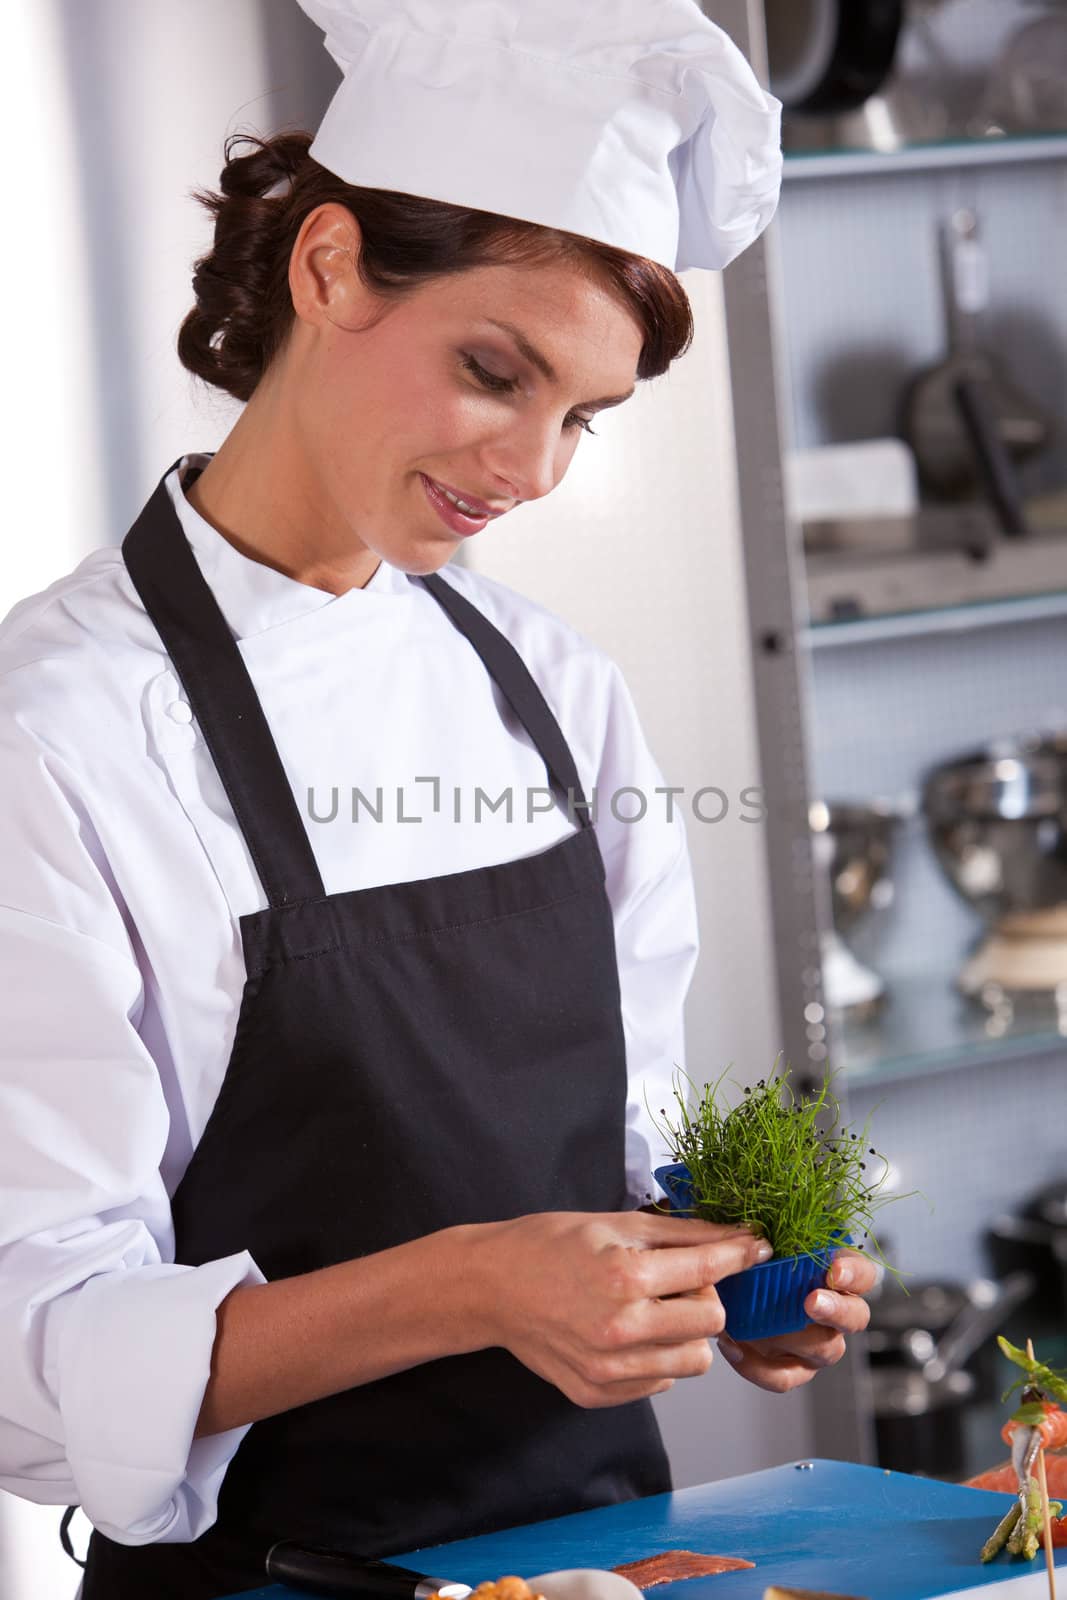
{"points": [[105, 1343], [650, 886]]}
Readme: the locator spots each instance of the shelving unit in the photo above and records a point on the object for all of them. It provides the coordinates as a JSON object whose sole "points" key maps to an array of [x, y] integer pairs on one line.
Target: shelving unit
{"points": [[938, 620], [927, 1026], [969, 1107], [940, 584], [953, 153], [925, 653]]}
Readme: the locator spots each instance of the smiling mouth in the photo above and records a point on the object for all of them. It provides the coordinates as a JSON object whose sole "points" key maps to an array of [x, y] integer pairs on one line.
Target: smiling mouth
{"points": [[451, 507], [470, 505]]}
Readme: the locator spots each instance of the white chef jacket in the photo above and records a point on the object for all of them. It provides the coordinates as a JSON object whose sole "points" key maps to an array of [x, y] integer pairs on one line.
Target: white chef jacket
{"points": [[122, 878]]}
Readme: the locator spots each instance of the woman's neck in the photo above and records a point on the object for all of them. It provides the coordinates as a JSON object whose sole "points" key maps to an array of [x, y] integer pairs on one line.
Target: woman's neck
{"points": [[258, 492]]}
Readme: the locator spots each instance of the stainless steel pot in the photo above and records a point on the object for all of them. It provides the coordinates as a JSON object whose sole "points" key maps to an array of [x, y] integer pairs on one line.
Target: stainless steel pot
{"points": [[918, 1425], [830, 56], [853, 845], [1035, 1241]]}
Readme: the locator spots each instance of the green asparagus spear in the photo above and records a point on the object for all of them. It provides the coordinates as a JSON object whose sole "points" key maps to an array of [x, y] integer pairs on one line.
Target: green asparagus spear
{"points": [[999, 1537]]}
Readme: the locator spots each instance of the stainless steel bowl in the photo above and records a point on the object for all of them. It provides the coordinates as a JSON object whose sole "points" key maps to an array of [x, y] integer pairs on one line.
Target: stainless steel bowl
{"points": [[997, 821], [853, 845]]}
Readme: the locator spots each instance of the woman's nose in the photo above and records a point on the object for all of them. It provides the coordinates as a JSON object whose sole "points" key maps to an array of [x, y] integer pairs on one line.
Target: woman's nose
{"points": [[527, 462]]}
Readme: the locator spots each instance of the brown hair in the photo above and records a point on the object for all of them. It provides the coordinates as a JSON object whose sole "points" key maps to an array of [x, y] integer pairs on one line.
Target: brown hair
{"points": [[244, 311]]}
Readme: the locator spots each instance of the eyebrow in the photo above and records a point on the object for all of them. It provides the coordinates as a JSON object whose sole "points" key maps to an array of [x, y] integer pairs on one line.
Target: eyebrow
{"points": [[544, 366]]}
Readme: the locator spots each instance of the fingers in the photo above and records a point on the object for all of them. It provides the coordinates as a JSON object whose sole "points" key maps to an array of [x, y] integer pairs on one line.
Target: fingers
{"points": [[680, 1271], [593, 1397], [845, 1312], [691, 1316], [670, 1230], [648, 1363], [783, 1363], [856, 1273], [778, 1373]]}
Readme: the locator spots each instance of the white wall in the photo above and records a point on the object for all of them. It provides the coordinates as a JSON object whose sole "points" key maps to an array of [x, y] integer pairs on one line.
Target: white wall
{"points": [[116, 109], [640, 549]]}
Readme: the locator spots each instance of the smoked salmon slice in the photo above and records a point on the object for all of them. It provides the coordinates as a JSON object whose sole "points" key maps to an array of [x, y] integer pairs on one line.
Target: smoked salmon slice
{"points": [[1003, 1478], [1053, 1429], [672, 1565]]}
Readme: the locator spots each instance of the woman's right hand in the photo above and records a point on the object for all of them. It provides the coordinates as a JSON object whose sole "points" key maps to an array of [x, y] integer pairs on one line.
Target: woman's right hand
{"points": [[610, 1308]]}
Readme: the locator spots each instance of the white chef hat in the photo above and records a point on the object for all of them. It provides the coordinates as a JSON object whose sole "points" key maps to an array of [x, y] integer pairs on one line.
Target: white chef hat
{"points": [[638, 123]]}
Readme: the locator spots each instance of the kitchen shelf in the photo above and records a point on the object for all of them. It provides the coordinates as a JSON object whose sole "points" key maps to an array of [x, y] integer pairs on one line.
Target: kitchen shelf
{"points": [[941, 619], [801, 165], [927, 1027]]}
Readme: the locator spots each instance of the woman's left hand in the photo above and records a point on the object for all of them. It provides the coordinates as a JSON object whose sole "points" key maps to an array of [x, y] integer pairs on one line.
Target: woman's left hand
{"points": [[784, 1363]]}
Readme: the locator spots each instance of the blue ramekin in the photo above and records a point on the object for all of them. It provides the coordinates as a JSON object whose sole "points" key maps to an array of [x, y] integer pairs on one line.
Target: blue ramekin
{"points": [[765, 1301]]}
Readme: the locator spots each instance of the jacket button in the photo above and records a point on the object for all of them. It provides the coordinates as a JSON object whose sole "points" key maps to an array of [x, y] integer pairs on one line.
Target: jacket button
{"points": [[180, 711]]}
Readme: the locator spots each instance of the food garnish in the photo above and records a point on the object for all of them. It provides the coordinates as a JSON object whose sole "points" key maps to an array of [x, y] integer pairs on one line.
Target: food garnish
{"points": [[1036, 1423], [779, 1163]]}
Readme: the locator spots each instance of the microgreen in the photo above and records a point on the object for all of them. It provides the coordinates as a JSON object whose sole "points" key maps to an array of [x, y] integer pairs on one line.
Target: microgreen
{"points": [[1035, 1376], [779, 1163]]}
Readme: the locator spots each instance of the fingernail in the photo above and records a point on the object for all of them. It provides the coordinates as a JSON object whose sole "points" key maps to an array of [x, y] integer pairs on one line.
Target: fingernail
{"points": [[824, 1304], [730, 1351], [842, 1273], [764, 1250]]}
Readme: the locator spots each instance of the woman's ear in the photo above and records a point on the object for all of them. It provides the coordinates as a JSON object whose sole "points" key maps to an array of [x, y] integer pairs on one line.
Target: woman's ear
{"points": [[324, 278]]}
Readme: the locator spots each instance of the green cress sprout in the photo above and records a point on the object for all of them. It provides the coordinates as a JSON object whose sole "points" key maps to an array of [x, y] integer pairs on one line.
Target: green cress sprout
{"points": [[779, 1163], [1035, 1376]]}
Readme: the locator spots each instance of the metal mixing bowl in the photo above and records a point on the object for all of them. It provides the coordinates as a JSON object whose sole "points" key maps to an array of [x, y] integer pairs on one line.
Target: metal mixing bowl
{"points": [[852, 844], [997, 821]]}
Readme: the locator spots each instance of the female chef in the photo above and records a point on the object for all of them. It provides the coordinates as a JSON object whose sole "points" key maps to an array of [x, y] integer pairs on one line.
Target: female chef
{"points": [[322, 1141]]}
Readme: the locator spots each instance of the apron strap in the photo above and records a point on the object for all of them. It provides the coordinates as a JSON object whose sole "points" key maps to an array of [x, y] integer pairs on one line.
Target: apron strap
{"points": [[198, 639], [64, 1535], [516, 683]]}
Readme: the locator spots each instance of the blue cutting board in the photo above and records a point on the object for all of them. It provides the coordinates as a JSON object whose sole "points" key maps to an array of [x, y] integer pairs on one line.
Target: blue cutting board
{"points": [[839, 1527]]}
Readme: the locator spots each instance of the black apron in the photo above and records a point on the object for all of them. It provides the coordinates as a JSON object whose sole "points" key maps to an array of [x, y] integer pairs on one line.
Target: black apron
{"points": [[407, 1058]]}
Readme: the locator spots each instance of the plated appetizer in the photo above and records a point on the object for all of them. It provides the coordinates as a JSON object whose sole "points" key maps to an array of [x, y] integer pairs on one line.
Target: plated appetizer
{"points": [[1038, 1424]]}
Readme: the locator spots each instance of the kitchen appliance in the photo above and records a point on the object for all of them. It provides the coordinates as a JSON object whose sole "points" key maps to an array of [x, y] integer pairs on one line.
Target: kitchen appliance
{"points": [[852, 845], [939, 424], [997, 822], [936, 1327], [931, 1359]]}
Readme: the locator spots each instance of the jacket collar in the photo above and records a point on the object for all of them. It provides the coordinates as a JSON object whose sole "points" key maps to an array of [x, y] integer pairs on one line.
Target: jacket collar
{"points": [[251, 595]]}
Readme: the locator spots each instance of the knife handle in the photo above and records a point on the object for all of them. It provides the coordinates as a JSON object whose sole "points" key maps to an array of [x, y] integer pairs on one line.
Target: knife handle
{"points": [[334, 1572]]}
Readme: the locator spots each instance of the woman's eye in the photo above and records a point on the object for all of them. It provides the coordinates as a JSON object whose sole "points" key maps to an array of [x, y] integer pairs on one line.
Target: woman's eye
{"points": [[499, 385], [574, 421], [491, 380]]}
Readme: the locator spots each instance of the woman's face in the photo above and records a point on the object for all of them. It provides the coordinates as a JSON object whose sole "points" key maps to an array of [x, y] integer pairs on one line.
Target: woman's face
{"points": [[478, 385]]}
